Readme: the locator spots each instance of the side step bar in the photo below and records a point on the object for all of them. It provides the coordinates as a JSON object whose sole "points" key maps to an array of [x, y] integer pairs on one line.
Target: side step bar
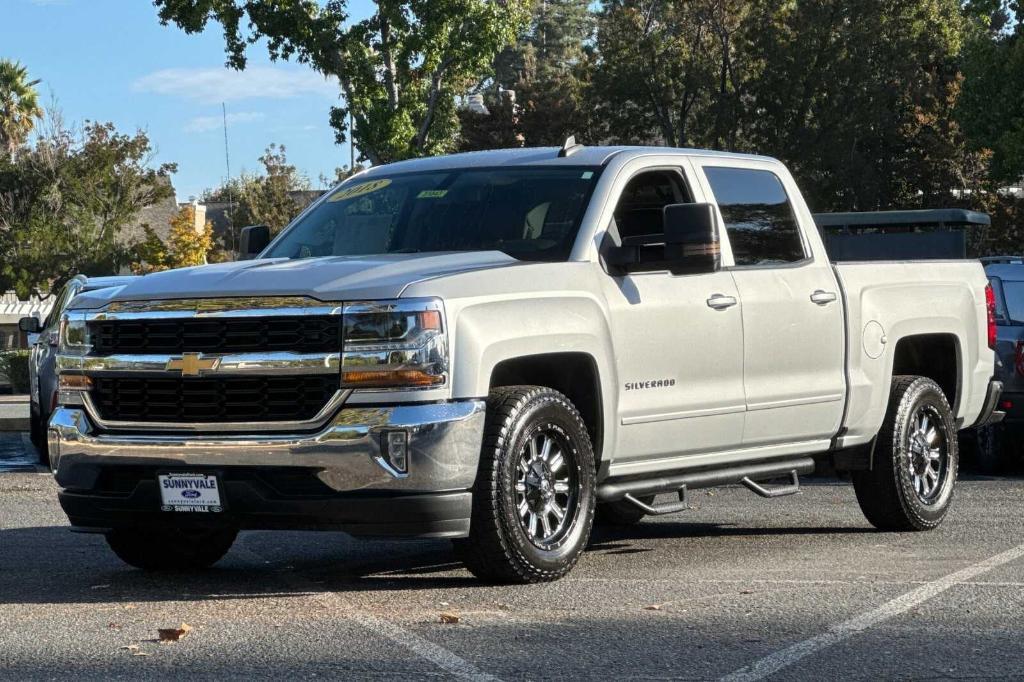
{"points": [[745, 474]]}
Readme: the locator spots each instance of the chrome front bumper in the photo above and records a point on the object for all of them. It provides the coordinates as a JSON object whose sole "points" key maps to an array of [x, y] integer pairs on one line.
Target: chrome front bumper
{"points": [[444, 448]]}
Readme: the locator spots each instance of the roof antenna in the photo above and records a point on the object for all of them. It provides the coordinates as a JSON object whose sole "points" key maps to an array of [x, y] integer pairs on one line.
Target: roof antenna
{"points": [[569, 148]]}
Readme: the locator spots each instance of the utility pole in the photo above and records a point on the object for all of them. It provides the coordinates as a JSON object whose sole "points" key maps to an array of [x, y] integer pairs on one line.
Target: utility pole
{"points": [[227, 183]]}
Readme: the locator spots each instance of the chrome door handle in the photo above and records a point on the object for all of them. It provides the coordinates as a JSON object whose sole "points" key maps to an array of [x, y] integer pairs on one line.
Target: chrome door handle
{"points": [[822, 297], [721, 302]]}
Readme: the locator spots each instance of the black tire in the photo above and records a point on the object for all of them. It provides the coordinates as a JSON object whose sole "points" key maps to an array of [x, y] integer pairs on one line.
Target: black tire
{"points": [[989, 449], [500, 547], [898, 493], [37, 433], [622, 513], [153, 549]]}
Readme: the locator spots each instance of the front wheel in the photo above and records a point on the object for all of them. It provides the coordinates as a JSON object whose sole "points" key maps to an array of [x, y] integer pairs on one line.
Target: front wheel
{"points": [[37, 434], [172, 549], [910, 484], [533, 503]]}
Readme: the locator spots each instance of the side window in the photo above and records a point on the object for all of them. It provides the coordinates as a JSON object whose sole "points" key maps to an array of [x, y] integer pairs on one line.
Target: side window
{"points": [[758, 217], [639, 211]]}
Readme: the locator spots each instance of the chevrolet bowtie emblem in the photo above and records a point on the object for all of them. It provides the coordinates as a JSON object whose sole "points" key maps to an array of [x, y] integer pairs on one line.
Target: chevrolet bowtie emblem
{"points": [[192, 364]]}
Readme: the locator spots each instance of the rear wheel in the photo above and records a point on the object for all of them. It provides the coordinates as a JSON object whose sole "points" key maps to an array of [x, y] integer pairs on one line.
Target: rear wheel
{"points": [[172, 549], [533, 503], [910, 485]]}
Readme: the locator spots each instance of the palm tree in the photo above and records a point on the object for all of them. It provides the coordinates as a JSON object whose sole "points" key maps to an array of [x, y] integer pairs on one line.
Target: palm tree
{"points": [[19, 105]]}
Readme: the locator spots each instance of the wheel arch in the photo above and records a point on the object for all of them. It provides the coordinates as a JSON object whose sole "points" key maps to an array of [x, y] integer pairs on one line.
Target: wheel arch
{"points": [[574, 374]]}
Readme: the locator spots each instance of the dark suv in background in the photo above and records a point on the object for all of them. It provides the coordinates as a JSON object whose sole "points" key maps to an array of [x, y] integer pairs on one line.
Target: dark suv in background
{"points": [[1000, 444]]}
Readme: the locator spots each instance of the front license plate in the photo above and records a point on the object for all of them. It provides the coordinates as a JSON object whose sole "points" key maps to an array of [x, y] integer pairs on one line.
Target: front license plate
{"points": [[189, 493]]}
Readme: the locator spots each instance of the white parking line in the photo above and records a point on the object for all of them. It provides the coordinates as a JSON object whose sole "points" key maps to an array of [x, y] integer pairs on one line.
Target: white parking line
{"points": [[769, 665], [444, 659]]}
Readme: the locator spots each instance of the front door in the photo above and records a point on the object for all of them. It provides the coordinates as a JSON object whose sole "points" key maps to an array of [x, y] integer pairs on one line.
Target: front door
{"points": [[678, 342]]}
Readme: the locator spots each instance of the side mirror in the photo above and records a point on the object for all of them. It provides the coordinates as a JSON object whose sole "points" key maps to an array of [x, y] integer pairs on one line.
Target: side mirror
{"points": [[691, 238], [29, 325], [689, 244], [252, 241]]}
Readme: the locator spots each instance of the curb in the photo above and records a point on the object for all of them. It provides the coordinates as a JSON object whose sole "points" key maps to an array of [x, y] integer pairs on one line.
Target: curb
{"points": [[14, 424]]}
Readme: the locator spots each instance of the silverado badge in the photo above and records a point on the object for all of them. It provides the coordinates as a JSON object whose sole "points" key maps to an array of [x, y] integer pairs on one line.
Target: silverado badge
{"points": [[192, 364]]}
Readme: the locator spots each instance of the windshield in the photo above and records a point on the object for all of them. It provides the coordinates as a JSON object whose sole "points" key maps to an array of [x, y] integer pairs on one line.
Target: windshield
{"points": [[528, 213]]}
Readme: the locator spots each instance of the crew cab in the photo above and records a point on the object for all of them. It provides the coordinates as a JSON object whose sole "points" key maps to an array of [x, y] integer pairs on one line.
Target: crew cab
{"points": [[497, 347]]}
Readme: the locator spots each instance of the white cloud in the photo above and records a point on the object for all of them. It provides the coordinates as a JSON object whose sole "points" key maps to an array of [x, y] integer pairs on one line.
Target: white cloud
{"points": [[201, 124], [226, 85]]}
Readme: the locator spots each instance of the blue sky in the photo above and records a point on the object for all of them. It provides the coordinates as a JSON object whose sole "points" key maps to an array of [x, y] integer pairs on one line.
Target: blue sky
{"points": [[111, 60]]}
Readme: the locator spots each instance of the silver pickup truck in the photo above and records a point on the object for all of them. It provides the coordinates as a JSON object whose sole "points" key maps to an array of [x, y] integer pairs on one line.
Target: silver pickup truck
{"points": [[498, 347]]}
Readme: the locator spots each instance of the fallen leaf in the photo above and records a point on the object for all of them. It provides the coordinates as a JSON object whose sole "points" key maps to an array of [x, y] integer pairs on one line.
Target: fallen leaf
{"points": [[113, 626], [449, 618], [746, 592], [130, 647], [168, 635], [141, 653], [653, 607]]}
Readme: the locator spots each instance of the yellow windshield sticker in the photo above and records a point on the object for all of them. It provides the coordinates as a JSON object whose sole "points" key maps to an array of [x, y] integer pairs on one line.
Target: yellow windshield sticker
{"points": [[432, 194], [359, 190]]}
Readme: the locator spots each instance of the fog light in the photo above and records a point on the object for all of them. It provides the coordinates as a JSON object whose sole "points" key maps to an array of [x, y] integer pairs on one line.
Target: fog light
{"points": [[396, 450], [71, 388]]}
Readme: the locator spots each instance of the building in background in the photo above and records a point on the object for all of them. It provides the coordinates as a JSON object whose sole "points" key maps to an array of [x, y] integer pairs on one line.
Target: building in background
{"points": [[13, 309]]}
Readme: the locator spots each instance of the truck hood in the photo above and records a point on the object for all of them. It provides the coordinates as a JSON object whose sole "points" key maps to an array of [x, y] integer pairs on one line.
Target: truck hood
{"points": [[332, 278]]}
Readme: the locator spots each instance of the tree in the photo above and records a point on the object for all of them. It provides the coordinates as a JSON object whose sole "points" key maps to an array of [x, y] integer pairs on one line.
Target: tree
{"points": [[186, 246], [19, 106], [992, 110], [65, 202], [858, 97], [399, 70], [537, 96], [666, 71], [267, 199]]}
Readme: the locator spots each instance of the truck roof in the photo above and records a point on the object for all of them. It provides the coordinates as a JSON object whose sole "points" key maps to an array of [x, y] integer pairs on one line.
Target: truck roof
{"points": [[581, 155]]}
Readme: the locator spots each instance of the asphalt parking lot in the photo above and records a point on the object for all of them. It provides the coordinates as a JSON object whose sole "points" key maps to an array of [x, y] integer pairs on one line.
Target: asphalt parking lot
{"points": [[797, 588]]}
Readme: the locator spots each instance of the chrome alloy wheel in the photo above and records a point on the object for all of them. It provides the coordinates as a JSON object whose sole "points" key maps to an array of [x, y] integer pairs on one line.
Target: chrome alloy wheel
{"points": [[927, 454], [546, 488]]}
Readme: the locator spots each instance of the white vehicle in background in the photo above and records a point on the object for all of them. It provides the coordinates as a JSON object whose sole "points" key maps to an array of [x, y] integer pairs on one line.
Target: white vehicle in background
{"points": [[492, 347]]}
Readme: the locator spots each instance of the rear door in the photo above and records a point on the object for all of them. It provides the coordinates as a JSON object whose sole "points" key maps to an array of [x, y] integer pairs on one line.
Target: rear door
{"points": [[793, 334]]}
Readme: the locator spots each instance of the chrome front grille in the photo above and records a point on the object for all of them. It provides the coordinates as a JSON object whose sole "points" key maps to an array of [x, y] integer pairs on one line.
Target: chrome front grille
{"points": [[219, 365], [227, 399], [295, 333]]}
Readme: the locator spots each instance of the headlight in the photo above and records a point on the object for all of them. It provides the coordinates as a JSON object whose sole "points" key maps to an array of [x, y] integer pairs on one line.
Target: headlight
{"points": [[394, 344], [74, 335]]}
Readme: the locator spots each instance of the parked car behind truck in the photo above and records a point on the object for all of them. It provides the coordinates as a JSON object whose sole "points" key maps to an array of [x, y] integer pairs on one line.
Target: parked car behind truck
{"points": [[42, 366], [999, 445], [490, 347]]}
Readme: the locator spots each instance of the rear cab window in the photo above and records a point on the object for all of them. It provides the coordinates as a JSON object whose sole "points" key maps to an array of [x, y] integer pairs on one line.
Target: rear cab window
{"points": [[757, 215]]}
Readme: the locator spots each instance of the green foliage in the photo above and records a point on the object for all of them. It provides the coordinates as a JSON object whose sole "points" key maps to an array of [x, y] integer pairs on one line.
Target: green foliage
{"points": [[538, 94], [185, 247], [65, 202], [399, 70], [19, 106], [263, 199], [14, 366], [667, 72]]}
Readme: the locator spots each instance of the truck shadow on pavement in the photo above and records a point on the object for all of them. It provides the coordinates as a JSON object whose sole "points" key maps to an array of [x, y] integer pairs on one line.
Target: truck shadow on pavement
{"points": [[52, 565]]}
